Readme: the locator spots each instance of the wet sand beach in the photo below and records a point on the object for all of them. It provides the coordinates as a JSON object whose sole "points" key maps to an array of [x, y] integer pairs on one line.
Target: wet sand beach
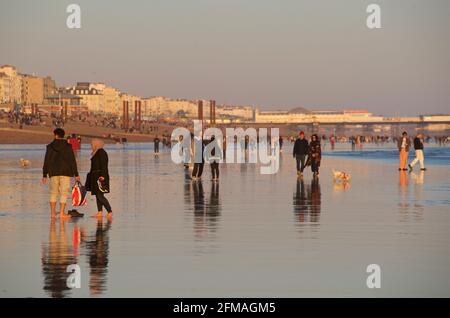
{"points": [[250, 235]]}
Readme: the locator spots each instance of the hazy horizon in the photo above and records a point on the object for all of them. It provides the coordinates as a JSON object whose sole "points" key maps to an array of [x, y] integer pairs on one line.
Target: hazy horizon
{"points": [[274, 55]]}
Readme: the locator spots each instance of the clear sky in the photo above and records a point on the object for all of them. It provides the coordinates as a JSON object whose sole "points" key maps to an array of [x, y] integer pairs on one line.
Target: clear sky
{"points": [[276, 54]]}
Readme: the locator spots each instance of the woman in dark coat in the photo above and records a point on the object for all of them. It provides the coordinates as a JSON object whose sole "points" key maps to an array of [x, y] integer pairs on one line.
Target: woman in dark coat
{"points": [[98, 180], [315, 154]]}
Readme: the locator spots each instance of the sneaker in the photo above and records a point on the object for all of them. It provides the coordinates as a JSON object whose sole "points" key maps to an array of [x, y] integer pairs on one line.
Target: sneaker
{"points": [[75, 213], [423, 169]]}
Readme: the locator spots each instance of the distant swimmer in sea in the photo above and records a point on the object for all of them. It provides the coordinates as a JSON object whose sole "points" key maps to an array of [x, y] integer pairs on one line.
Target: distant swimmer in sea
{"points": [[418, 147], [314, 154], [300, 151], [60, 165]]}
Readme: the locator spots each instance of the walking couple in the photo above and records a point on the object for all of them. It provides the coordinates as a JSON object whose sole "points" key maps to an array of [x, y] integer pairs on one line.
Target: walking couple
{"points": [[404, 145], [60, 165], [307, 154]]}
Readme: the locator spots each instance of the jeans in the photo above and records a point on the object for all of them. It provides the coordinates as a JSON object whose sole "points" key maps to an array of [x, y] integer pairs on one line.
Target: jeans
{"points": [[215, 170], [315, 166], [198, 170], [102, 201], [300, 162]]}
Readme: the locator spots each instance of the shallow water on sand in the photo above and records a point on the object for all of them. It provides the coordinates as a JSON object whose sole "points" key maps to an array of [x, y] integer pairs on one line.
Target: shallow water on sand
{"points": [[248, 235]]}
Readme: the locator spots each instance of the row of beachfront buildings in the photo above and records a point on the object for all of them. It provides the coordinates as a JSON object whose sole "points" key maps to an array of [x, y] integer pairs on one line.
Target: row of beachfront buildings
{"points": [[33, 92]]}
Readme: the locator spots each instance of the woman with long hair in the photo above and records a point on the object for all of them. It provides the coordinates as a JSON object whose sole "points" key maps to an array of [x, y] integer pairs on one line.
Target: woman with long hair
{"points": [[98, 177], [315, 154]]}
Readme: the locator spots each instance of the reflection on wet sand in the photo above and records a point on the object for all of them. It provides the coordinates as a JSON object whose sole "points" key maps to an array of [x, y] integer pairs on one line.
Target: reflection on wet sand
{"points": [[56, 256], [307, 201], [339, 186], [409, 204], [206, 212], [97, 250], [60, 252]]}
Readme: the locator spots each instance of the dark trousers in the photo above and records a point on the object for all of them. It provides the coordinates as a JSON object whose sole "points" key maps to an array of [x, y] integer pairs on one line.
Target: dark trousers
{"points": [[157, 148], [300, 162], [198, 170], [102, 201], [315, 166], [215, 170]]}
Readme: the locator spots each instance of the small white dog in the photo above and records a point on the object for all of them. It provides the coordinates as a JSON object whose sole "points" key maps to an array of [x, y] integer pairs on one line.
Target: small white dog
{"points": [[25, 163], [341, 176]]}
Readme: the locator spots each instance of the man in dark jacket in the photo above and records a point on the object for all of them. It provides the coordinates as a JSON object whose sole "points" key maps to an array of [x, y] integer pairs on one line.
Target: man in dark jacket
{"points": [[418, 147], [60, 166], [300, 152]]}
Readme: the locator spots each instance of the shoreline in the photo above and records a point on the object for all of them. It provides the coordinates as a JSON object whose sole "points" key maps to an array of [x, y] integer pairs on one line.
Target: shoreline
{"points": [[44, 134]]}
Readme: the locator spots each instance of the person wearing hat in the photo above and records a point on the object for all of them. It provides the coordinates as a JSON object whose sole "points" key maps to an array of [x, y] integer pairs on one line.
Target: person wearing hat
{"points": [[403, 144], [300, 152]]}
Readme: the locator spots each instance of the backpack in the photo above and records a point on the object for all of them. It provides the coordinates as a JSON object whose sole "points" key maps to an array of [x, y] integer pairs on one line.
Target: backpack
{"points": [[79, 194]]}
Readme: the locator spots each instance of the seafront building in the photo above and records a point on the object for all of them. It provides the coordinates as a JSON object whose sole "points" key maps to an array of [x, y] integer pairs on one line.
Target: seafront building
{"points": [[36, 89], [159, 107], [11, 85], [302, 115], [97, 97], [40, 94]]}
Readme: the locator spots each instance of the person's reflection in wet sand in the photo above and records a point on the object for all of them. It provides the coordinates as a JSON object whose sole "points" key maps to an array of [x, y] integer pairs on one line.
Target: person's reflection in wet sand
{"points": [[213, 208], [418, 180], [97, 250], [307, 201], [300, 203], [315, 200], [187, 187], [403, 192], [199, 209], [206, 214], [56, 256]]}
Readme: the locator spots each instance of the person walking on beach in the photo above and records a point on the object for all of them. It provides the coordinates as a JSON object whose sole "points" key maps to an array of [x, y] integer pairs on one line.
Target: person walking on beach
{"points": [[403, 145], [60, 165], [214, 157], [156, 142], [199, 160], [97, 181], [280, 142], [300, 151], [418, 147], [332, 141], [315, 154]]}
